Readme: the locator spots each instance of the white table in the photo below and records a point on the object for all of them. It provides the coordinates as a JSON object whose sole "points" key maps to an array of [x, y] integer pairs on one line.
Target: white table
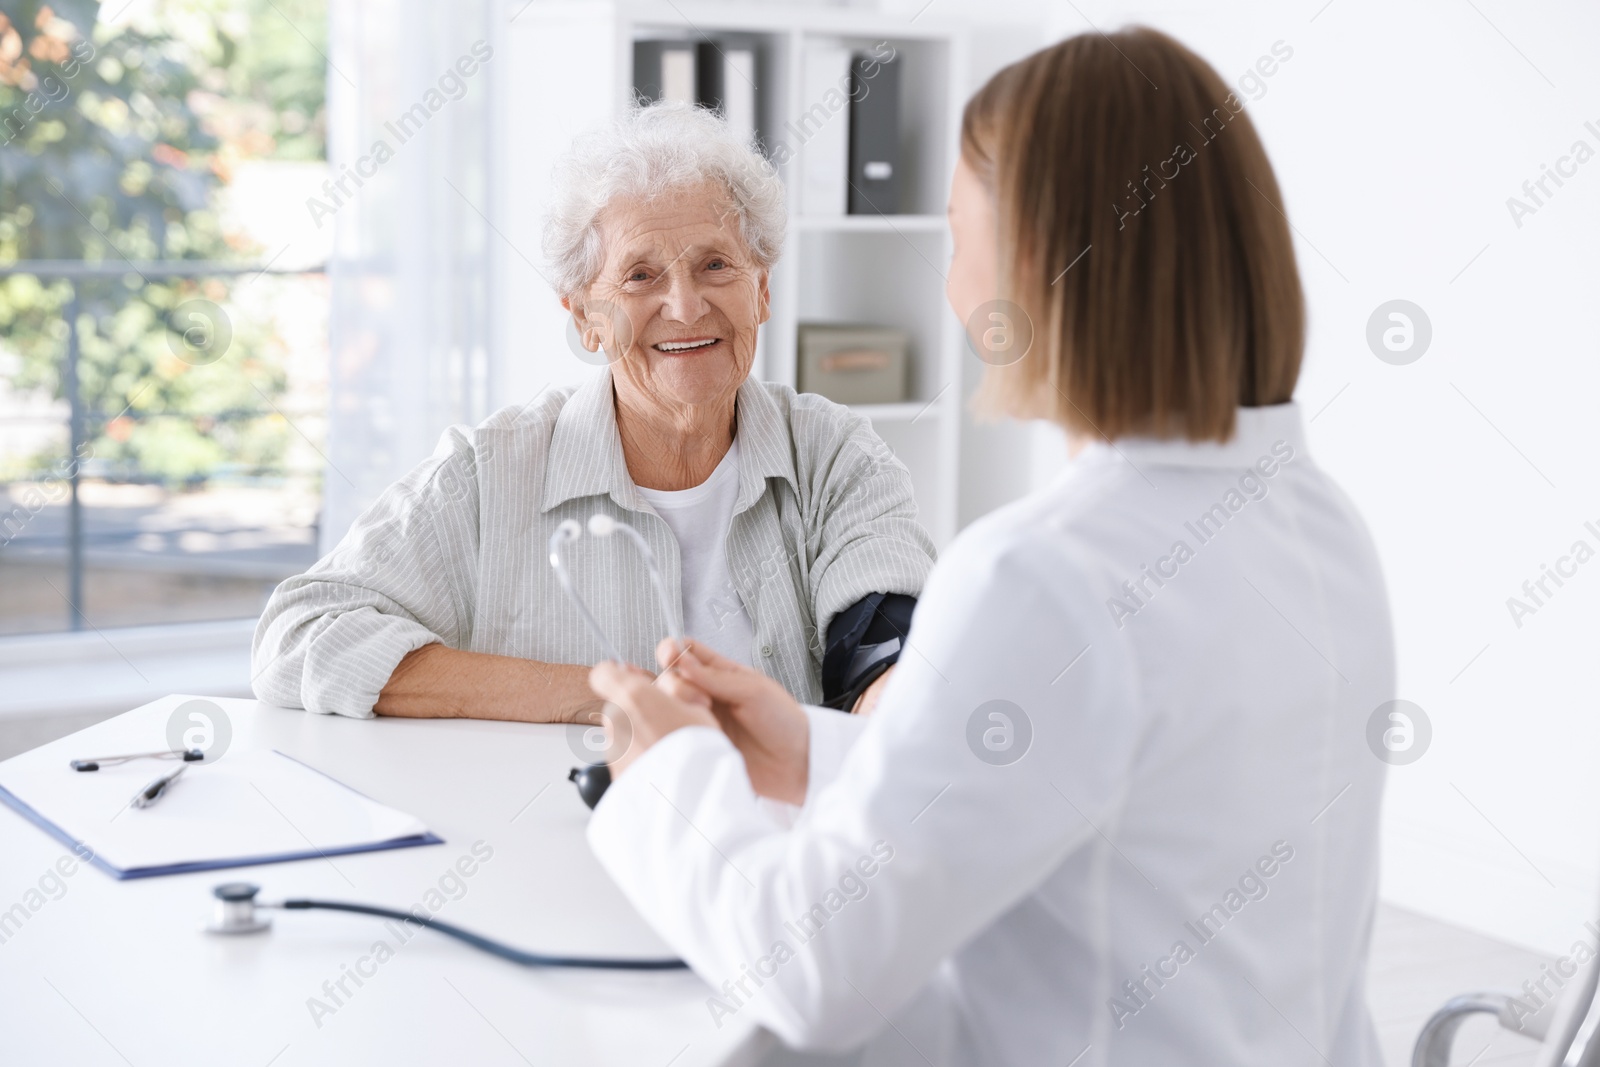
{"points": [[119, 972]]}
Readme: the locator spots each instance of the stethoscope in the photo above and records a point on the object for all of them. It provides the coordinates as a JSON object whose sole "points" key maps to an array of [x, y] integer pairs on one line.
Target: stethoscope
{"points": [[593, 780], [605, 526], [239, 912]]}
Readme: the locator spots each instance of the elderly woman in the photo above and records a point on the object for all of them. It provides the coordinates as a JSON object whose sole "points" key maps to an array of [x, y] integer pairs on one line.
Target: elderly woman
{"points": [[784, 528]]}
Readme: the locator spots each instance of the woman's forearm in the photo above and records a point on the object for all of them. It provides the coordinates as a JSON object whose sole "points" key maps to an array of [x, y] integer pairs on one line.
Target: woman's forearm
{"points": [[439, 682], [868, 700]]}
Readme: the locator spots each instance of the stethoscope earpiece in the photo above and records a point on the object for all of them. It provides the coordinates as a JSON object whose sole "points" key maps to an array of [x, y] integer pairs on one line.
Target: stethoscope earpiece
{"points": [[236, 910]]}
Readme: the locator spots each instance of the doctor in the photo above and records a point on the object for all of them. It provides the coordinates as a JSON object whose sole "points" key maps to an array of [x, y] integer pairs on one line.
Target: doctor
{"points": [[1116, 806]]}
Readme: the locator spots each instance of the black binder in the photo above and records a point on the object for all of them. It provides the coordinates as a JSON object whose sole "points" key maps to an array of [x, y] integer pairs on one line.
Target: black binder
{"points": [[650, 78], [876, 177], [725, 75]]}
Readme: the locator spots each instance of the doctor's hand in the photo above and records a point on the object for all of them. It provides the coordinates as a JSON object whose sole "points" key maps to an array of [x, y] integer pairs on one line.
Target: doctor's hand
{"points": [[640, 711], [759, 716]]}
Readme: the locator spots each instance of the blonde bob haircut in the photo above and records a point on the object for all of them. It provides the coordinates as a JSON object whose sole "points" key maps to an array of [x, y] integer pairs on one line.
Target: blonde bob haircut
{"points": [[1142, 232]]}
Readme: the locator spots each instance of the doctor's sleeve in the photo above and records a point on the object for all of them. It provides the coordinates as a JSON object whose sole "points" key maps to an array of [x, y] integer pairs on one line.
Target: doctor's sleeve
{"points": [[329, 639], [982, 770], [831, 736]]}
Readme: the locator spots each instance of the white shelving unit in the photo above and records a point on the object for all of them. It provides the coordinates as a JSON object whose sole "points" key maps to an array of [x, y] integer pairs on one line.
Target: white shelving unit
{"points": [[571, 66], [871, 224]]}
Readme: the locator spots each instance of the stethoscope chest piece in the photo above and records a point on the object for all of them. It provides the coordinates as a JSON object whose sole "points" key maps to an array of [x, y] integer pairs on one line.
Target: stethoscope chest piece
{"points": [[592, 782], [236, 910]]}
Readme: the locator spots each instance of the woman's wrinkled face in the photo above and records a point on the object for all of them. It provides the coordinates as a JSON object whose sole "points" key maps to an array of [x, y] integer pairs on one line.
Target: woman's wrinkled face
{"points": [[678, 299]]}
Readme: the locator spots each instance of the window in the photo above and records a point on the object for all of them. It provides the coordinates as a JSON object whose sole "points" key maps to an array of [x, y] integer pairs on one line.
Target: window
{"points": [[163, 362]]}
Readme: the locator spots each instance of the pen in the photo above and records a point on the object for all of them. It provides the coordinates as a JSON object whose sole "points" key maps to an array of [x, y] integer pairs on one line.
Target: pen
{"points": [[188, 755], [153, 792]]}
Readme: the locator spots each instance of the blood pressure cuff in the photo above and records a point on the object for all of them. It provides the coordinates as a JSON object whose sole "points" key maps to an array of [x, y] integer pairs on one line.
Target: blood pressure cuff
{"points": [[864, 640]]}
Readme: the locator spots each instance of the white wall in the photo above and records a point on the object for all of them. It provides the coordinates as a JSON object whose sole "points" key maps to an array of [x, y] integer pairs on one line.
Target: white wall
{"points": [[1398, 131], [543, 114]]}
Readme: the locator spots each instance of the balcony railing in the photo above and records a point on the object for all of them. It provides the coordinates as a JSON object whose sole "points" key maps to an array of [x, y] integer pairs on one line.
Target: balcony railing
{"points": [[84, 425]]}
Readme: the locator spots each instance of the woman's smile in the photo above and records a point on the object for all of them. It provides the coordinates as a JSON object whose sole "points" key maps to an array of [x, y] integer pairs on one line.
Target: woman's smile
{"points": [[687, 346]]}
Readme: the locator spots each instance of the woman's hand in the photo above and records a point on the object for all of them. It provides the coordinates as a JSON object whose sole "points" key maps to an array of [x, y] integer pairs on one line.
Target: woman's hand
{"points": [[639, 711], [759, 716], [697, 687]]}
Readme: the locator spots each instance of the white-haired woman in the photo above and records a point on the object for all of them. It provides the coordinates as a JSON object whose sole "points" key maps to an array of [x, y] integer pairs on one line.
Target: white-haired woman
{"points": [[784, 527]]}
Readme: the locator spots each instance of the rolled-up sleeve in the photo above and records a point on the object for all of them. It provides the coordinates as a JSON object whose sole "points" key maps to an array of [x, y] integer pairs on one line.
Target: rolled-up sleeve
{"points": [[329, 639], [865, 528]]}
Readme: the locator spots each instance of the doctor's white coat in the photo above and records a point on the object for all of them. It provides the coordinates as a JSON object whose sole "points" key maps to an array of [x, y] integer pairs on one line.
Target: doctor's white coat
{"points": [[1118, 804]]}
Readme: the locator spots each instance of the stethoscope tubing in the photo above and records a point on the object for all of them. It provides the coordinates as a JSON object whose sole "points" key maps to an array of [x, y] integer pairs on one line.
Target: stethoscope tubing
{"points": [[569, 531], [673, 630], [558, 560], [495, 948]]}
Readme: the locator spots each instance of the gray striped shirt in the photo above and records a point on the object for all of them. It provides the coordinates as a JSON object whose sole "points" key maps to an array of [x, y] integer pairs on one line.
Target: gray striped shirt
{"points": [[458, 551]]}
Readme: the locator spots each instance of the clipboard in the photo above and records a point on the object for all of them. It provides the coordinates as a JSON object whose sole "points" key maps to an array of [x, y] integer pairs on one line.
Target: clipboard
{"points": [[247, 809]]}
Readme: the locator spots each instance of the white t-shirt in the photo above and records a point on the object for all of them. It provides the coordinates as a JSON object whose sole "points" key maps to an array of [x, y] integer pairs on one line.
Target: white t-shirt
{"points": [[700, 519]]}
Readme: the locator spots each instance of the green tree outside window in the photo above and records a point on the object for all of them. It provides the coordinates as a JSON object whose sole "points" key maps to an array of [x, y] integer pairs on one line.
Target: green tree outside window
{"points": [[114, 143]]}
